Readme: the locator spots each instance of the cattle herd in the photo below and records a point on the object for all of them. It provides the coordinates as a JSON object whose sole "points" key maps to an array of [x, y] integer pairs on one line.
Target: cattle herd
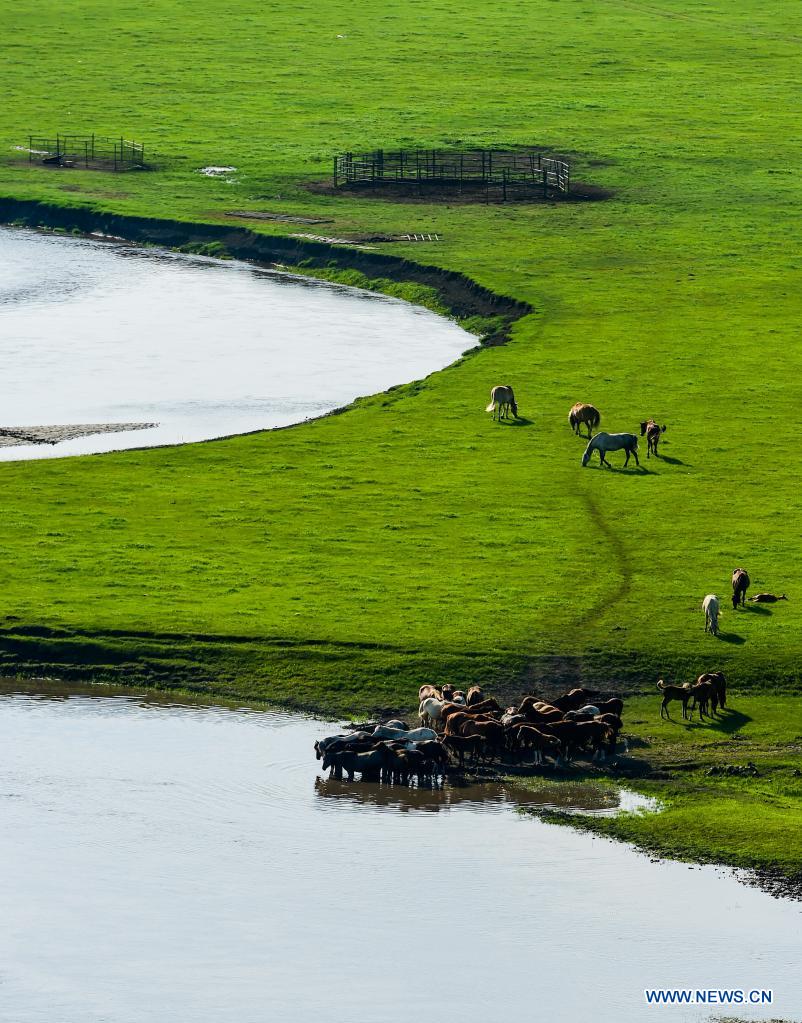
{"points": [[457, 726]]}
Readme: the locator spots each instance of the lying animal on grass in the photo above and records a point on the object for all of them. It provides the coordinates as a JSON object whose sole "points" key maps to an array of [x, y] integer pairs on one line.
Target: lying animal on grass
{"points": [[767, 598]]}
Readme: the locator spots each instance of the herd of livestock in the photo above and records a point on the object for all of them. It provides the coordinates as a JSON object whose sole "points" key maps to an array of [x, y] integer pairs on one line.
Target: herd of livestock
{"points": [[503, 404], [456, 726]]}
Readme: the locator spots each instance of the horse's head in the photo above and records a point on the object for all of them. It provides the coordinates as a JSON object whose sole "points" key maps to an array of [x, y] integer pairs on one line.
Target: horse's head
{"points": [[588, 452], [643, 428], [514, 407]]}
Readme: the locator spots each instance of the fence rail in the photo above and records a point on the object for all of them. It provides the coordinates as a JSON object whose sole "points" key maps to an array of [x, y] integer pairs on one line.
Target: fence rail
{"points": [[503, 170], [97, 151]]}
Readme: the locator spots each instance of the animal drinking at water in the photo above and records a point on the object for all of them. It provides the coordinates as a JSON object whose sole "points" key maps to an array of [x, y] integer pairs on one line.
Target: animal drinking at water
{"points": [[502, 402], [604, 442]]}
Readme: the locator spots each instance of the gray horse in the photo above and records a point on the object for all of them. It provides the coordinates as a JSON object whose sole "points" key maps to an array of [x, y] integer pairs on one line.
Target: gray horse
{"points": [[604, 442]]}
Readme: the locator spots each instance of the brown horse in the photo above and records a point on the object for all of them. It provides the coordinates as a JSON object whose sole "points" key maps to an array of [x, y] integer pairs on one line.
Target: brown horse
{"points": [[462, 744], [574, 699], [704, 694], [582, 414], [740, 584], [681, 693], [717, 679], [652, 432]]}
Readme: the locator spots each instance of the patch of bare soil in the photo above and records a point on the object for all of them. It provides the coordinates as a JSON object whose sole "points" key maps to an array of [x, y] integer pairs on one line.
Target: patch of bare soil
{"points": [[13, 436]]}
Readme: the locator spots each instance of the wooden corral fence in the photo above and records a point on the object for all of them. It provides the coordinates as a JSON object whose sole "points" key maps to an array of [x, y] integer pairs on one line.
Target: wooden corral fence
{"points": [[97, 151], [506, 172]]}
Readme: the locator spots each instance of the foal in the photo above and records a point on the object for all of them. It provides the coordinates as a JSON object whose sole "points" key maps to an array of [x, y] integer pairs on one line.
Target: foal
{"points": [[681, 693]]}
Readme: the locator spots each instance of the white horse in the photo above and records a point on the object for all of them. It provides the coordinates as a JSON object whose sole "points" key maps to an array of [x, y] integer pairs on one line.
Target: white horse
{"points": [[711, 607], [604, 442], [413, 735], [430, 711], [502, 400]]}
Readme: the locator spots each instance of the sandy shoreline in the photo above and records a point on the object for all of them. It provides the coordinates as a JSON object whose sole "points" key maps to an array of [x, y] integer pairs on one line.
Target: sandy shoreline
{"points": [[14, 436]]}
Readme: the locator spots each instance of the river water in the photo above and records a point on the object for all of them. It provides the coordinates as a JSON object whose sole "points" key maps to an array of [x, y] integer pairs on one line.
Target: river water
{"points": [[93, 332], [189, 863]]}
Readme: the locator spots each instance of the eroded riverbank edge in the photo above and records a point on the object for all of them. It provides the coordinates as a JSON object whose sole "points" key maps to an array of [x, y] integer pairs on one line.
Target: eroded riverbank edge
{"points": [[463, 298]]}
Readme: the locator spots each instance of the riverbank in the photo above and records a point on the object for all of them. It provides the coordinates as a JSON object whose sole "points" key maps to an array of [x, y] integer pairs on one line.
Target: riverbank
{"points": [[730, 789]]}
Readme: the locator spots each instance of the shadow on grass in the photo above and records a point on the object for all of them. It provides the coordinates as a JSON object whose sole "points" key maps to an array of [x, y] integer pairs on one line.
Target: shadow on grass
{"points": [[757, 609], [728, 721], [520, 421], [629, 470], [730, 637], [670, 461]]}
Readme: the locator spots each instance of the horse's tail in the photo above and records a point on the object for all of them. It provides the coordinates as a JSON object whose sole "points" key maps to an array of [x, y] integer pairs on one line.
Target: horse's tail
{"points": [[595, 418]]}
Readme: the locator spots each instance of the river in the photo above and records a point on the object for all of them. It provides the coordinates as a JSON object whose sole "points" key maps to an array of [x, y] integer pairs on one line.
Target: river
{"points": [[189, 863], [97, 332]]}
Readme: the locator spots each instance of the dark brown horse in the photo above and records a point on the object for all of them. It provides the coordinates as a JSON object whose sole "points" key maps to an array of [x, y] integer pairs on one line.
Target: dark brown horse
{"points": [[740, 584], [652, 432], [681, 693], [719, 682]]}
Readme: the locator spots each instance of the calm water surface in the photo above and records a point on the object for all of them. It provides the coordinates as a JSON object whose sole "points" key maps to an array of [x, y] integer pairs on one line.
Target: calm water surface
{"points": [[165, 862], [97, 332]]}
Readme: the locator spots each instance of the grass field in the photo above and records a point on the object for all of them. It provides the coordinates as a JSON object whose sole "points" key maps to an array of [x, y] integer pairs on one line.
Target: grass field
{"points": [[339, 564]]}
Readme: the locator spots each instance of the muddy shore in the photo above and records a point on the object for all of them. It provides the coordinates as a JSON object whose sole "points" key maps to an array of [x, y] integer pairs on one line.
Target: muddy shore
{"points": [[14, 436]]}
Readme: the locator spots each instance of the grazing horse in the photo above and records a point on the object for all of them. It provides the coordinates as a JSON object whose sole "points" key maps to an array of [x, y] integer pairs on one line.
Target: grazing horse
{"points": [[502, 401], [711, 609], [587, 414], [604, 442], [740, 584], [652, 433]]}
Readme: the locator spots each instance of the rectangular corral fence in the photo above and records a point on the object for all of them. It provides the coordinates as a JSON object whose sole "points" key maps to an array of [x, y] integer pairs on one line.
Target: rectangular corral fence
{"points": [[472, 168], [98, 151]]}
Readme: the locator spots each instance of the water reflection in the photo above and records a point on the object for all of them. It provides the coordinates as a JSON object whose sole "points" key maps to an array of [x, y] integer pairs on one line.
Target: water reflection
{"points": [[565, 796]]}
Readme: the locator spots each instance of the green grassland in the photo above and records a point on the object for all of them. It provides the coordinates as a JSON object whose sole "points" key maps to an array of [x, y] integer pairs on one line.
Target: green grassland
{"points": [[340, 563]]}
